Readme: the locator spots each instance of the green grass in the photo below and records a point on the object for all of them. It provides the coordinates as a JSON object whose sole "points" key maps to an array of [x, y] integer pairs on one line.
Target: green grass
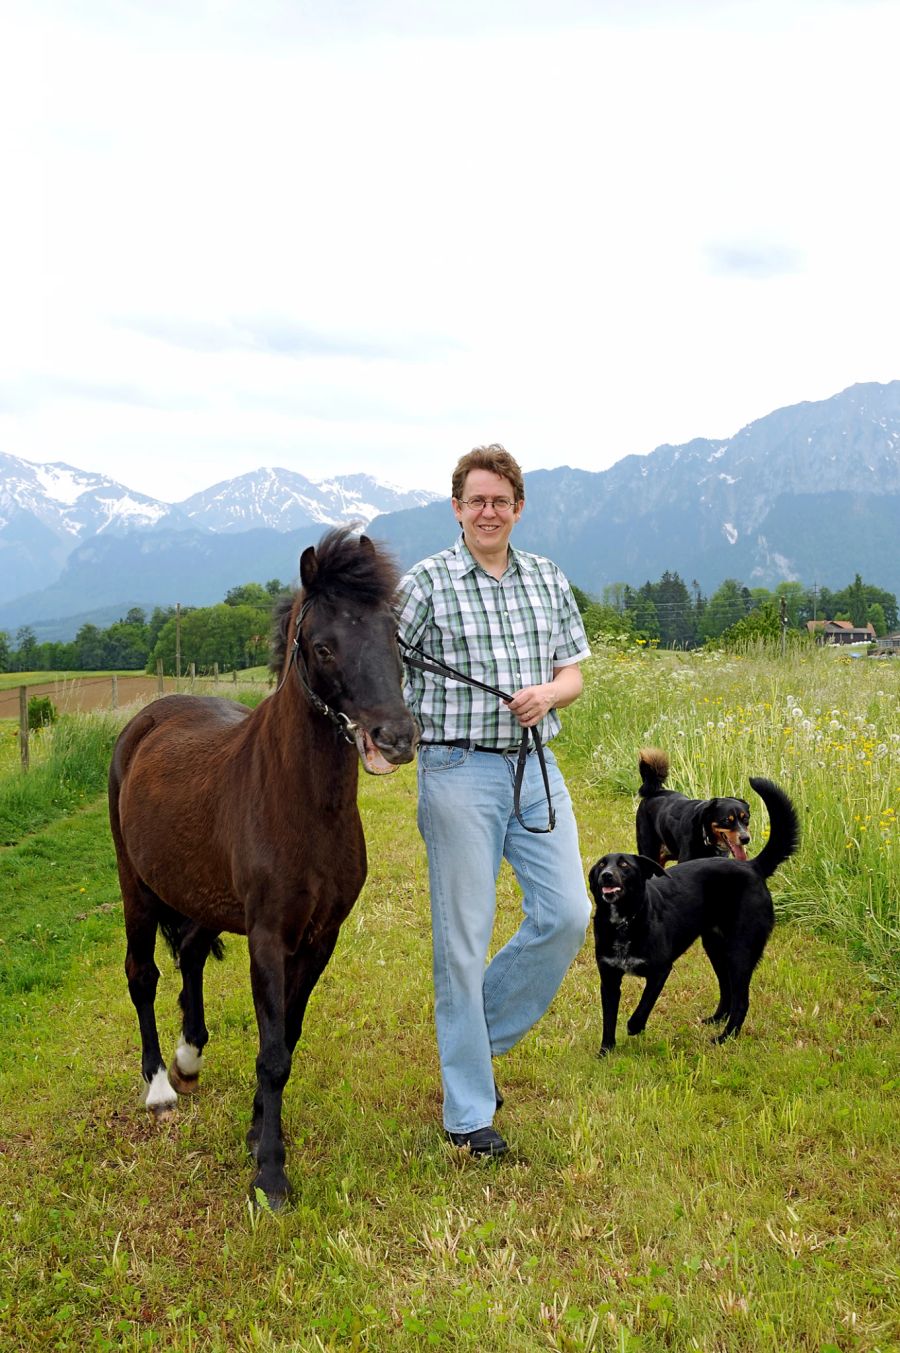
{"points": [[9, 680], [69, 767], [821, 725], [674, 1196]]}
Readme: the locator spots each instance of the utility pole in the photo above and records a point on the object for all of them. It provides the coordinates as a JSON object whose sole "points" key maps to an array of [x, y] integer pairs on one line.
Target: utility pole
{"points": [[815, 593], [784, 625], [177, 641]]}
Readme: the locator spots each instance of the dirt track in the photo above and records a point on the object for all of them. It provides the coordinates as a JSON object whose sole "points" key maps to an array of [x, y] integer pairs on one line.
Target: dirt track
{"points": [[95, 692]]}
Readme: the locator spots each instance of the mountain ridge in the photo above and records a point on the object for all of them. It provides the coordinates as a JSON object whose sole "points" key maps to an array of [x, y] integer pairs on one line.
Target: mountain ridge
{"points": [[810, 491], [47, 511]]}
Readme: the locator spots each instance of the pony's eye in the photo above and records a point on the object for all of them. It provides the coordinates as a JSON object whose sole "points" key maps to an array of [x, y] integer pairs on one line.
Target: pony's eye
{"points": [[323, 652]]}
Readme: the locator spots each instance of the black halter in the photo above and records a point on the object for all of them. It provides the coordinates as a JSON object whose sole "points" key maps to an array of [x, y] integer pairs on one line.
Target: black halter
{"points": [[426, 662], [345, 726]]}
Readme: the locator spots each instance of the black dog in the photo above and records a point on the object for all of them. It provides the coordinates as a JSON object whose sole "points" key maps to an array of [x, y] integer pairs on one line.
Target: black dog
{"points": [[672, 827], [647, 916]]}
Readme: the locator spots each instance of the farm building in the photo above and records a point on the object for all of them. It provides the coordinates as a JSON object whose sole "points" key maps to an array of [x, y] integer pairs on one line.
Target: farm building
{"points": [[840, 632]]}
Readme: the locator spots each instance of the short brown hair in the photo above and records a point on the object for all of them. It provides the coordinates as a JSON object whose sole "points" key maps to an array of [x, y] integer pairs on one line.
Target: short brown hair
{"points": [[494, 458]]}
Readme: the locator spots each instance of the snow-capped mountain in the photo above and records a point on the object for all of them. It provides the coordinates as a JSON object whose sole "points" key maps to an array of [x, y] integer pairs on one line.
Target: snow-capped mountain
{"points": [[810, 492], [48, 511], [285, 501], [72, 503]]}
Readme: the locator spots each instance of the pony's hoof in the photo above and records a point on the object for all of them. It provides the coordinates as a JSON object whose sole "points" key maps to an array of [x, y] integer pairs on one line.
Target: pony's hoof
{"points": [[185, 1085], [162, 1113], [273, 1199]]}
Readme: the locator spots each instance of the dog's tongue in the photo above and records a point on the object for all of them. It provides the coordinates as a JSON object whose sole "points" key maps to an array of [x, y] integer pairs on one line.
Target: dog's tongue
{"points": [[738, 851], [373, 762]]}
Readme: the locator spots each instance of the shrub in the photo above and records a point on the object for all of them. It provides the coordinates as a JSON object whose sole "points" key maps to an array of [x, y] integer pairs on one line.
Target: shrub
{"points": [[41, 711]]}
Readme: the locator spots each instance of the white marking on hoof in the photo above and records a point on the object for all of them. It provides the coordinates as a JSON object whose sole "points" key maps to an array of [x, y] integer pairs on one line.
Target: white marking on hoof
{"points": [[188, 1059], [160, 1094]]}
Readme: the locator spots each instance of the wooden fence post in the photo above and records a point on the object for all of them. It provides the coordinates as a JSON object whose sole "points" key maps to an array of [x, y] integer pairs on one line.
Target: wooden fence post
{"points": [[160, 683], [215, 674], [23, 726], [193, 673], [115, 692], [234, 675]]}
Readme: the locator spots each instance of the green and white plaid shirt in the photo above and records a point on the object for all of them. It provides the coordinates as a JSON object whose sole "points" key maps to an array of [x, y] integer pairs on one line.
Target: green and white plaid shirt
{"points": [[508, 632]]}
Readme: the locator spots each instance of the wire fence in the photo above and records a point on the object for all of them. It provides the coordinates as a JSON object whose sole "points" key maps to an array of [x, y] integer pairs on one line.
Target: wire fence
{"points": [[82, 694]]}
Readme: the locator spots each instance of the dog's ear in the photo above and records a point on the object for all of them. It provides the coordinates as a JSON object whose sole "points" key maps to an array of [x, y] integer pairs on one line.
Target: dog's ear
{"points": [[594, 875], [648, 867]]}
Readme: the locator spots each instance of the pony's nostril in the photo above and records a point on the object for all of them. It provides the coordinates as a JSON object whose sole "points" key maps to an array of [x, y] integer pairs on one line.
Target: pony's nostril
{"points": [[391, 735]]}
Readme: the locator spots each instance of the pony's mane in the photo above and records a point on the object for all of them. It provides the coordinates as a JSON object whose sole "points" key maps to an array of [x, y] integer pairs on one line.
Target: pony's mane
{"points": [[343, 568]]}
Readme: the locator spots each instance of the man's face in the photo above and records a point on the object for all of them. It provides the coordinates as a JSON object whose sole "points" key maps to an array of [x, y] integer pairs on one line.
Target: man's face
{"points": [[487, 529]]}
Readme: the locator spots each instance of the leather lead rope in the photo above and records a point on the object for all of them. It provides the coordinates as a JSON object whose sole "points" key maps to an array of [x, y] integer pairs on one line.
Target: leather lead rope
{"points": [[427, 662]]}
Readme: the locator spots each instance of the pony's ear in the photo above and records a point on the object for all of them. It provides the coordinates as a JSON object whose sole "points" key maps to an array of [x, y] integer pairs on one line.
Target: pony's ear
{"points": [[308, 566], [366, 545], [649, 867]]}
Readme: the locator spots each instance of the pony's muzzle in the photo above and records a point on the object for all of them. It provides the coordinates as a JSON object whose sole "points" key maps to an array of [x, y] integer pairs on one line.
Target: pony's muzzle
{"points": [[386, 746], [396, 740]]}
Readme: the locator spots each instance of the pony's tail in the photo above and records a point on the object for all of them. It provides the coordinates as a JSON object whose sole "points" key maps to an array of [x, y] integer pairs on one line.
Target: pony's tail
{"points": [[175, 927], [784, 828], [654, 767]]}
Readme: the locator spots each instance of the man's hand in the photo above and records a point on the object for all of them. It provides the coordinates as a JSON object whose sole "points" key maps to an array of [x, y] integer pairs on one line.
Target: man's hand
{"points": [[531, 703]]}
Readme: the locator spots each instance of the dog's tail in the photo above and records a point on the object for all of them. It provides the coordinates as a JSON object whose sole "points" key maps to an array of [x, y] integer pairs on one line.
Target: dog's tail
{"points": [[784, 828], [654, 767]]}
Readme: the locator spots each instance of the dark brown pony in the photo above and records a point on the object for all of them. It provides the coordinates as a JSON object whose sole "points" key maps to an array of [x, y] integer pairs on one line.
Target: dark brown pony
{"points": [[227, 820]]}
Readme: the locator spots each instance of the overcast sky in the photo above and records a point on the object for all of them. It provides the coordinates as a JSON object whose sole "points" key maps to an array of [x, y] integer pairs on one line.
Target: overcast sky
{"points": [[343, 235]]}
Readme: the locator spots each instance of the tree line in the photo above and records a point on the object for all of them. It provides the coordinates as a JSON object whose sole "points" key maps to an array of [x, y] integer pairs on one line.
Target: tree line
{"points": [[673, 615], [235, 633]]}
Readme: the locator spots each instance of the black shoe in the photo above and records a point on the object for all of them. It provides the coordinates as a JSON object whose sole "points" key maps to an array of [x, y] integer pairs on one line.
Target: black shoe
{"points": [[498, 1097], [482, 1142]]}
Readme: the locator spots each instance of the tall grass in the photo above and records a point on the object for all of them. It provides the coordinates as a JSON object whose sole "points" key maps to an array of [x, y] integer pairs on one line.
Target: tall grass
{"points": [[824, 727], [69, 766]]}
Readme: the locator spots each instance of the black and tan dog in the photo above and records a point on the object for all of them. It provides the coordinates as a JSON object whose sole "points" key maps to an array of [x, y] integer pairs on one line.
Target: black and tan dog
{"points": [[647, 916], [670, 826]]}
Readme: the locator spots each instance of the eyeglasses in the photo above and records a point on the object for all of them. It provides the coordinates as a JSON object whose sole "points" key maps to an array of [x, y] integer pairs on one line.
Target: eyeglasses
{"points": [[478, 504]]}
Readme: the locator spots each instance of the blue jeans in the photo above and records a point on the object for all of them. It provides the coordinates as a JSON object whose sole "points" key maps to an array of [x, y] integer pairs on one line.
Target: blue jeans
{"points": [[466, 820]]}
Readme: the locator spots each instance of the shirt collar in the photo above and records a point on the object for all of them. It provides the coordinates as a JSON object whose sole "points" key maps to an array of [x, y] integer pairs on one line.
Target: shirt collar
{"points": [[466, 562]]}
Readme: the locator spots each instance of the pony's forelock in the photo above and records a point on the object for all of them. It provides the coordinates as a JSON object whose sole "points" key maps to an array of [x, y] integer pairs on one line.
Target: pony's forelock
{"points": [[343, 567]]}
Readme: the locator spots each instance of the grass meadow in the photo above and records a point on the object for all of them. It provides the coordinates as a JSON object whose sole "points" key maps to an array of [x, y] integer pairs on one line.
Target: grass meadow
{"points": [[10, 680], [675, 1196]]}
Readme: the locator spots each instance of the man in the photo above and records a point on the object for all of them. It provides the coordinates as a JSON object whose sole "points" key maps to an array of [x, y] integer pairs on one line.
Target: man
{"points": [[509, 620]]}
